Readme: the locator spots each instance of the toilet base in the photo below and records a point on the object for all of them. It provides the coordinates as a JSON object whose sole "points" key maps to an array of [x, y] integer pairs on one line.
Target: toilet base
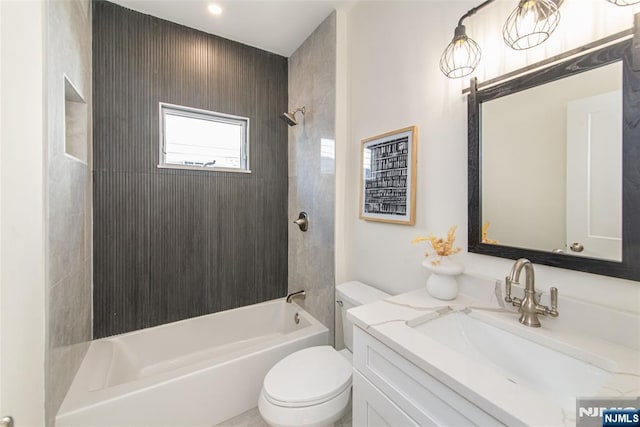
{"points": [[321, 415]]}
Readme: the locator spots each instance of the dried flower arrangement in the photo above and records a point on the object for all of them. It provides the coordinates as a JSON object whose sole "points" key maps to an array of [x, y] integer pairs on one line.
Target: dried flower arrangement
{"points": [[485, 234], [441, 247]]}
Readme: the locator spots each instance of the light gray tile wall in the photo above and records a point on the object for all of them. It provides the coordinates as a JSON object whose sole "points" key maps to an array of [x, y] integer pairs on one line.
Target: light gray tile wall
{"points": [[312, 83], [69, 201]]}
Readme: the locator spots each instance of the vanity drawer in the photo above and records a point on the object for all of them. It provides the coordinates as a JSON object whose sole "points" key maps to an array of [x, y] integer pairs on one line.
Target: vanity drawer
{"points": [[371, 408], [425, 399]]}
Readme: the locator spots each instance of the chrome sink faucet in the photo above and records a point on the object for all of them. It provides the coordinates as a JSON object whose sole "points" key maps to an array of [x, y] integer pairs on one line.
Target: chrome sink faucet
{"points": [[529, 308]]}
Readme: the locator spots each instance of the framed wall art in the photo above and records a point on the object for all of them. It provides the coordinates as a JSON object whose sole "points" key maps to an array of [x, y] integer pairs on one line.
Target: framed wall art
{"points": [[388, 177]]}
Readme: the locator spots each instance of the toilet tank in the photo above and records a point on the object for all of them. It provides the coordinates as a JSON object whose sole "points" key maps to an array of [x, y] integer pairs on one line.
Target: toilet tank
{"points": [[353, 294]]}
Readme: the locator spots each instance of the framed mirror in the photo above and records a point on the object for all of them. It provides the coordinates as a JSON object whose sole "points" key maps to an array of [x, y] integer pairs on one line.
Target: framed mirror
{"points": [[554, 165]]}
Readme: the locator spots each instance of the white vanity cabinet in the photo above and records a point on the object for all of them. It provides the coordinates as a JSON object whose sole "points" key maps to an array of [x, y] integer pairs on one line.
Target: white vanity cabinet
{"points": [[390, 390]]}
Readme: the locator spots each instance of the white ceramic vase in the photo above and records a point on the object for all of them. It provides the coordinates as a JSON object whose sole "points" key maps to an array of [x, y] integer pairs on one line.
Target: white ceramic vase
{"points": [[442, 283]]}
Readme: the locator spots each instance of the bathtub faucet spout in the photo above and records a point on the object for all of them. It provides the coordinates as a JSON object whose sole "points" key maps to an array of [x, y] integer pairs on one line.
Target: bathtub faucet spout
{"points": [[301, 294]]}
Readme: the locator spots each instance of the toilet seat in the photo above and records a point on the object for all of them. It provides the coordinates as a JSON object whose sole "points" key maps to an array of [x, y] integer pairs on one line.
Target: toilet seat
{"points": [[307, 377], [320, 415]]}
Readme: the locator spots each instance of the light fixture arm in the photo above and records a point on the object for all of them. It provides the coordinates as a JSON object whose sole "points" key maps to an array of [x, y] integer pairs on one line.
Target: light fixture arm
{"points": [[295, 111], [473, 11]]}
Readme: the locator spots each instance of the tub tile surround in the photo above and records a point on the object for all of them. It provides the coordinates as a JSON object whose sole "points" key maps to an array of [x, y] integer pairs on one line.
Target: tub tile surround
{"points": [[174, 244], [312, 83], [69, 200], [391, 321]]}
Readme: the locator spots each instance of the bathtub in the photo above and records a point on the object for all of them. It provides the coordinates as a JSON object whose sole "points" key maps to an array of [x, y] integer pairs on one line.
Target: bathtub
{"points": [[196, 372]]}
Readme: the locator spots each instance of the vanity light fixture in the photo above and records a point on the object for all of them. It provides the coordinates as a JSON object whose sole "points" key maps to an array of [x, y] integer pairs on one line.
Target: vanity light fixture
{"points": [[214, 9], [624, 2], [462, 55], [531, 23]]}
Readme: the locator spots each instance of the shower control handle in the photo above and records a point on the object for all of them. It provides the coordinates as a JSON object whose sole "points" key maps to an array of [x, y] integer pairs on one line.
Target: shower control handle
{"points": [[302, 221]]}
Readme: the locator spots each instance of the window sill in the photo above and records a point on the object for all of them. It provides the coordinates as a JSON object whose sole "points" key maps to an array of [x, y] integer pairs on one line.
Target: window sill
{"points": [[203, 169]]}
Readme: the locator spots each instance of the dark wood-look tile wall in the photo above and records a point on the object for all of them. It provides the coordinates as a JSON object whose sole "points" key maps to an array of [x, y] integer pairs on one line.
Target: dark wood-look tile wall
{"points": [[173, 244]]}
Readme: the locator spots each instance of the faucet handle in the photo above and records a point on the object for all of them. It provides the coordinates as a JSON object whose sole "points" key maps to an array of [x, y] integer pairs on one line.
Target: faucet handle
{"points": [[507, 289], [515, 301], [553, 311]]}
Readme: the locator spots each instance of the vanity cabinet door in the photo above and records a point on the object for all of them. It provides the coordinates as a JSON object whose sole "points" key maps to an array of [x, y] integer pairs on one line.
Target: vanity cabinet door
{"points": [[419, 395], [371, 408]]}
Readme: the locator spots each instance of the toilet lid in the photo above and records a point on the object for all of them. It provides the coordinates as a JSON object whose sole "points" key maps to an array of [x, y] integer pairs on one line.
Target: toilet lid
{"points": [[308, 377]]}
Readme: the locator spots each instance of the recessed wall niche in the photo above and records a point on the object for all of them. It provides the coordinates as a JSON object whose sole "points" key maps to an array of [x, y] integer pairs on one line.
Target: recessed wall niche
{"points": [[75, 122]]}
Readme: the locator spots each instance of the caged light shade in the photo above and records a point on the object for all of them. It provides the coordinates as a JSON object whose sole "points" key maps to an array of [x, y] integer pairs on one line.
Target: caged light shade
{"points": [[461, 56], [531, 23], [624, 2]]}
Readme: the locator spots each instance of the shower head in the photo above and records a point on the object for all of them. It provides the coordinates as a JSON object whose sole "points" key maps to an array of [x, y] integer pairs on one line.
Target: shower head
{"points": [[290, 118]]}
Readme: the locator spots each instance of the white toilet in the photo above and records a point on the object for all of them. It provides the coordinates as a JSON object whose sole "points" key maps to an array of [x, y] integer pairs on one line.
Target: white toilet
{"points": [[312, 387]]}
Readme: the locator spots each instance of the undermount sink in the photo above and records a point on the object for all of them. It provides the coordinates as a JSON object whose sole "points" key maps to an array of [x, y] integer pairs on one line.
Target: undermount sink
{"points": [[520, 360]]}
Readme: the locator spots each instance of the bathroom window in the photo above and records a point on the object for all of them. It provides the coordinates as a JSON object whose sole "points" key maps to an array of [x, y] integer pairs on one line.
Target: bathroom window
{"points": [[203, 140]]}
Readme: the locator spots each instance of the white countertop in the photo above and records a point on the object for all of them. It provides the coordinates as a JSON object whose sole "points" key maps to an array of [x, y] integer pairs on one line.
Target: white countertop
{"points": [[391, 320]]}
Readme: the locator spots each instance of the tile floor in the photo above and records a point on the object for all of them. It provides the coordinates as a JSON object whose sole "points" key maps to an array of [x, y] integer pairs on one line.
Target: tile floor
{"points": [[252, 418]]}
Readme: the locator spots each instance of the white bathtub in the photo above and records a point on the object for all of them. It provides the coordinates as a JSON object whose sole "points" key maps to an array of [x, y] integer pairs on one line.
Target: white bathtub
{"points": [[196, 372]]}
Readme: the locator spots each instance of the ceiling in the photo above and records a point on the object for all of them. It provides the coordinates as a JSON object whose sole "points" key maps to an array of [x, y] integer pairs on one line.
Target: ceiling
{"points": [[275, 26]]}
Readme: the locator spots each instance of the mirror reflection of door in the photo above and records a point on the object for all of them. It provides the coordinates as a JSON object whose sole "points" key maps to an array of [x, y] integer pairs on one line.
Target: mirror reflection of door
{"points": [[594, 189]]}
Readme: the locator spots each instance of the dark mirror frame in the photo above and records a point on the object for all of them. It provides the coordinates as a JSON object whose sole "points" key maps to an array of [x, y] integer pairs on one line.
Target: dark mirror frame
{"points": [[629, 268]]}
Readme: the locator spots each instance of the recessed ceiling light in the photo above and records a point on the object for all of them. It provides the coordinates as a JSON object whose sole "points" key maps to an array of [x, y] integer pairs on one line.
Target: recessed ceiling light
{"points": [[215, 9]]}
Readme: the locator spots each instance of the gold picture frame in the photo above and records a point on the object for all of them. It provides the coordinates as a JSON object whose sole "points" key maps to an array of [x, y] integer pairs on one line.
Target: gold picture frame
{"points": [[388, 169]]}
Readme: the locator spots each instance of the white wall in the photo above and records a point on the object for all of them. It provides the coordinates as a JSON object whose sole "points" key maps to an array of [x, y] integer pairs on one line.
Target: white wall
{"points": [[1, 137], [22, 156], [533, 192], [394, 81]]}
